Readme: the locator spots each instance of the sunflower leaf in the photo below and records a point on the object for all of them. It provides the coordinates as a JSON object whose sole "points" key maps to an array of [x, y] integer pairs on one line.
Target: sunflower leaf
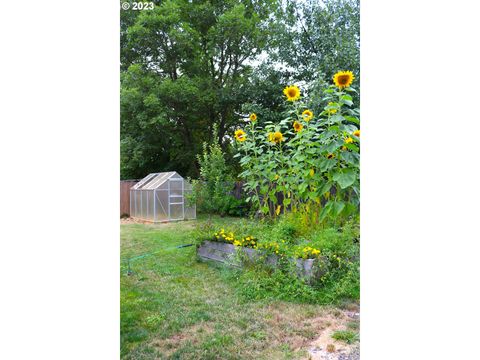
{"points": [[344, 177]]}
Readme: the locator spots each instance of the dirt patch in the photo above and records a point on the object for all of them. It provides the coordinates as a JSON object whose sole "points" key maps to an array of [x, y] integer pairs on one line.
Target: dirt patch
{"points": [[308, 330], [324, 347], [129, 220], [194, 334]]}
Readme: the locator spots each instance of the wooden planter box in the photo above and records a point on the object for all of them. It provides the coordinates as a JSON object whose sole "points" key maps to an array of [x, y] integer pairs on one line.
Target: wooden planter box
{"points": [[226, 253]]}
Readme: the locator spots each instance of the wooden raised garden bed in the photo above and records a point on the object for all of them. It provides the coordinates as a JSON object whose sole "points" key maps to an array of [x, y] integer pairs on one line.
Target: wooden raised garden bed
{"points": [[308, 269]]}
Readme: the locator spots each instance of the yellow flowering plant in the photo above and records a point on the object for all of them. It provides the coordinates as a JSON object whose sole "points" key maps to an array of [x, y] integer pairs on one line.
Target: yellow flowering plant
{"points": [[305, 162], [229, 237]]}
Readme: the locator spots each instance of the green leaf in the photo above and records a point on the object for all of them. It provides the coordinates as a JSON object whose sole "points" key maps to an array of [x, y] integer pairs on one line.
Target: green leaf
{"points": [[336, 118], [326, 187], [337, 207], [325, 211], [344, 178], [350, 157], [326, 164], [302, 187], [352, 119], [352, 147], [272, 197]]}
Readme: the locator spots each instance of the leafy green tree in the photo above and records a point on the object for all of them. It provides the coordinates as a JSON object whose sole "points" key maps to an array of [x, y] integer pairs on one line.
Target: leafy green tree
{"points": [[324, 39], [187, 69]]}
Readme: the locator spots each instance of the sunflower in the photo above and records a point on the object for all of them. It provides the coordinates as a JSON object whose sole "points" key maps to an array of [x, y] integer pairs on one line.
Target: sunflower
{"points": [[356, 133], [330, 156], [344, 148], [292, 93], [343, 79], [312, 172], [297, 126], [348, 140], [307, 115], [240, 135], [332, 110], [253, 117], [275, 137]]}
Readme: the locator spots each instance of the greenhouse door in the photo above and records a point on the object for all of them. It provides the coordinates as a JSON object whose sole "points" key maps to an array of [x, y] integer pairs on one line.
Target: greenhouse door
{"points": [[175, 199]]}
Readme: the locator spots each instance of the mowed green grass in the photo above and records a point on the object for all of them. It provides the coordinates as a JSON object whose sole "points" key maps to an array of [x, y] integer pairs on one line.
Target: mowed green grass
{"points": [[174, 307]]}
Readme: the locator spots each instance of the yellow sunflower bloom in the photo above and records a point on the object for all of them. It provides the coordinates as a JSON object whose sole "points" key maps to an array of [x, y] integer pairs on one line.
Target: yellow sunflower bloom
{"points": [[292, 93], [330, 156], [312, 172], [307, 115], [253, 117], [344, 148], [240, 135], [331, 111], [275, 137], [297, 126], [348, 140], [356, 133], [343, 79]]}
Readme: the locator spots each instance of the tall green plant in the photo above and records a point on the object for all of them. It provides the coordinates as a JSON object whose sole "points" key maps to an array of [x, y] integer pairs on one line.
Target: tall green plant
{"points": [[313, 161], [212, 190]]}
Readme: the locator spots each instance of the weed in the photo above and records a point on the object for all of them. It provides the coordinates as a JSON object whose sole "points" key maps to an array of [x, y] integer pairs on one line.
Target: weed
{"points": [[353, 325], [346, 336]]}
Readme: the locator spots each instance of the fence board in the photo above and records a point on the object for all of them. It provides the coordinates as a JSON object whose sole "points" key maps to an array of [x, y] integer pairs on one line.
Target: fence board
{"points": [[125, 186]]}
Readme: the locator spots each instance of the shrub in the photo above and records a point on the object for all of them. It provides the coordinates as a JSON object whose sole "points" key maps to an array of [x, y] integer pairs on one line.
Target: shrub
{"points": [[211, 192]]}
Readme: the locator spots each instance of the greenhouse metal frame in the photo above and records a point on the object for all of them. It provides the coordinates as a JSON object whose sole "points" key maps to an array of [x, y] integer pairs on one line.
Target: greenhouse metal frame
{"points": [[161, 197]]}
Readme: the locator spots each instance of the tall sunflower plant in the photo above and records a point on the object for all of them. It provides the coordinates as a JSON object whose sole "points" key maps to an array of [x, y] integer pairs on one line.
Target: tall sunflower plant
{"points": [[312, 160]]}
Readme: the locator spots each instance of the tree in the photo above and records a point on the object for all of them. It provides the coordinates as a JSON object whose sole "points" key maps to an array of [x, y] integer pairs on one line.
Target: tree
{"points": [[318, 38], [187, 69]]}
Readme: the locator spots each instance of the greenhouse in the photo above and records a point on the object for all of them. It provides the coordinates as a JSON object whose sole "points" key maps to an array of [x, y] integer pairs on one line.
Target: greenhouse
{"points": [[161, 197]]}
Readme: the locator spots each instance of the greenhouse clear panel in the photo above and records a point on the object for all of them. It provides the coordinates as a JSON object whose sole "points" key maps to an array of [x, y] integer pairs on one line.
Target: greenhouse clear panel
{"points": [[144, 204], [150, 205], [161, 205], [176, 212], [176, 188]]}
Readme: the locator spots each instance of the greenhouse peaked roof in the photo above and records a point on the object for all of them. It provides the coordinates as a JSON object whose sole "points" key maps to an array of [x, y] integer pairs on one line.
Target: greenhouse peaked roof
{"points": [[154, 180]]}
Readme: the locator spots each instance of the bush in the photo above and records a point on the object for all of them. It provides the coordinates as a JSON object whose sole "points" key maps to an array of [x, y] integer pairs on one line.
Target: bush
{"points": [[212, 192]]}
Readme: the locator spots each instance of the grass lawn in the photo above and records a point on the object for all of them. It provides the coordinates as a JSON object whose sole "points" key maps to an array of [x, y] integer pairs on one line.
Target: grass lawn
{"points": [[174, 307]]}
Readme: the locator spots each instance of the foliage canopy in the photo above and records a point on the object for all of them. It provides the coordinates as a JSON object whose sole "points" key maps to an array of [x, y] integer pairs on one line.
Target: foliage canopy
{"points": [[187, 66]]}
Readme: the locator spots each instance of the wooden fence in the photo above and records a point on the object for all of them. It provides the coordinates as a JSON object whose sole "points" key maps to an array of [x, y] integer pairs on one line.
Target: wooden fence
{"points": [[125, 186]]}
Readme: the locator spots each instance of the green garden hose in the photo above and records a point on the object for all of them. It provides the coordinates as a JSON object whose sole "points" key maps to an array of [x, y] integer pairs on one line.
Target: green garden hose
{"points": [[129, 260]]}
